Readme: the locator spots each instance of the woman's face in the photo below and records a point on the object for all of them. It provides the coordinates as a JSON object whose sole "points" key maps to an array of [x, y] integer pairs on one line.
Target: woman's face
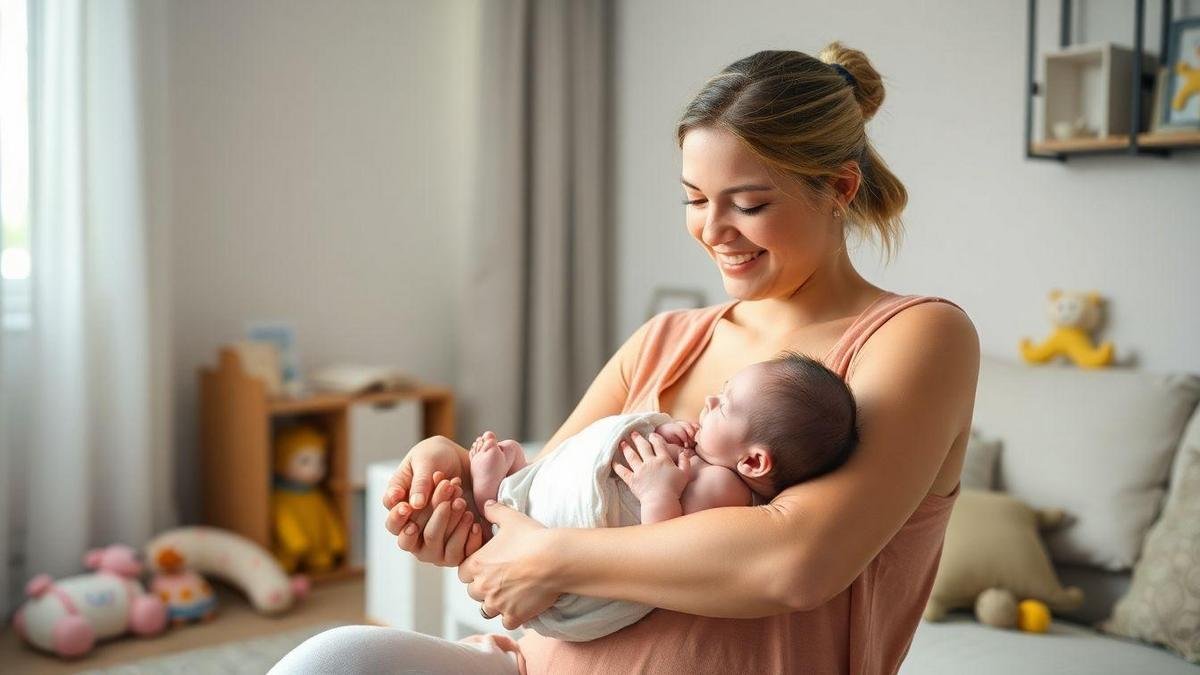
{"points": [[766, 241]]}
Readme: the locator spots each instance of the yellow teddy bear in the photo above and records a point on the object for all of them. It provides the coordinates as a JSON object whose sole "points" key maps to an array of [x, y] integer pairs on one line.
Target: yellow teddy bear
{"points": [[306, 527], [1074, 316]]}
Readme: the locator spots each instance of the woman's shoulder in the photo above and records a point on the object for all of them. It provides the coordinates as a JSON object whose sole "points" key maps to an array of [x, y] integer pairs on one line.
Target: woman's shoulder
{"points": [[930, 313], [903, 312], [911, 323], [905, 326]]}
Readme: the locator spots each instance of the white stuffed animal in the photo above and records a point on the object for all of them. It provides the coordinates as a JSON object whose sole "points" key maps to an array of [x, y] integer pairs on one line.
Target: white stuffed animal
{"points": [[68, 616], [231, 557]]}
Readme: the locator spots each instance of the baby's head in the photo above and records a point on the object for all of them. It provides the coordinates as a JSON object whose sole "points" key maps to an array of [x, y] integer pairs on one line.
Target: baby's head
{"points": [[779, 422]]}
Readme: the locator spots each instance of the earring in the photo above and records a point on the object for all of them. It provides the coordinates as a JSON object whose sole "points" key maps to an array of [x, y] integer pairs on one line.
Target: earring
{"points": [[837, 213]]}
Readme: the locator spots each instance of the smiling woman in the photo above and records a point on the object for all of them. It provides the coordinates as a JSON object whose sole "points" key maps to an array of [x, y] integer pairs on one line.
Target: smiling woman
{"points": [[831, 575]]}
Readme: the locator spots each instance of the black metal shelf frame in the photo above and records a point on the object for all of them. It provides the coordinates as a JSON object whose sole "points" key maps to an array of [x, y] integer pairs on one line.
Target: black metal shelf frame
{"points": [[1141, 81]]}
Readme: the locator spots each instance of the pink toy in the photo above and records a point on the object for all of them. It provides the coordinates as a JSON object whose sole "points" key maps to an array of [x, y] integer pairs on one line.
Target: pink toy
{"points": [[68, 616]]}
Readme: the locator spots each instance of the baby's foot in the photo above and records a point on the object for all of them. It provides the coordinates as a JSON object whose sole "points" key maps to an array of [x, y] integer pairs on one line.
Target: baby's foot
{"points": [[489, 466], [515, 454]]}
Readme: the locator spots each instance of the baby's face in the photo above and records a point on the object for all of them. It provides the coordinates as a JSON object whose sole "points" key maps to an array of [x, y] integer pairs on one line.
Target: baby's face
{"points": [[723, 426]]}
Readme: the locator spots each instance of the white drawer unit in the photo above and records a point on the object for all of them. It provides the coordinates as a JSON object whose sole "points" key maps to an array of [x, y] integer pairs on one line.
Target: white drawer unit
{"points": [[381, 431]]}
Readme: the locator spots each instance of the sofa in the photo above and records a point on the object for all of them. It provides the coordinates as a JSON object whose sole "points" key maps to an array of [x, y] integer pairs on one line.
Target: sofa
{"points": [[1106, 446]]}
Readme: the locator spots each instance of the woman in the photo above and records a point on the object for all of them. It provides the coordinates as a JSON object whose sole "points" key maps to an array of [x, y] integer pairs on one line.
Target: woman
{"points": [[832, 575]]}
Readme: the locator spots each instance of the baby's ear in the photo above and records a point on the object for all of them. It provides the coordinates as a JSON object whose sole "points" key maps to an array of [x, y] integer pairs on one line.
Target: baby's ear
{"points": [[756, 463]]}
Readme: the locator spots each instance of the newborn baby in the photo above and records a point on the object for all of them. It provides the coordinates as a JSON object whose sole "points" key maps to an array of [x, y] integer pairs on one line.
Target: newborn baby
{"points": [[774, 424]]}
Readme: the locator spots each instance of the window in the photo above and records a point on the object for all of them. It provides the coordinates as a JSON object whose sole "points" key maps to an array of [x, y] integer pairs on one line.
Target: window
{"points": [[15, 259]]}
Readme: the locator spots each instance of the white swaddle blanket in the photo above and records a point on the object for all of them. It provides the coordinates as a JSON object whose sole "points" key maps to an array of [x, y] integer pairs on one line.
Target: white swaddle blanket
{"points": [[574, 486]]}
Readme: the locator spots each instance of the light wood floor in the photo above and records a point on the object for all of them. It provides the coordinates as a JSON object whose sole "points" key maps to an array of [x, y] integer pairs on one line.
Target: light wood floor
{"points": [[335, 601]]}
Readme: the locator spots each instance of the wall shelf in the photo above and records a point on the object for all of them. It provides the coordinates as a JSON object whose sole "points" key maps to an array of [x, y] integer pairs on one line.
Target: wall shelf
{"points": [[1120, 144], [1137, 141]]}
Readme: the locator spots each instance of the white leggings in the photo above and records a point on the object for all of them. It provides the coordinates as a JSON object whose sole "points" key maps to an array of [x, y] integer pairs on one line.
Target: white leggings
{"points": [[374, 650]]}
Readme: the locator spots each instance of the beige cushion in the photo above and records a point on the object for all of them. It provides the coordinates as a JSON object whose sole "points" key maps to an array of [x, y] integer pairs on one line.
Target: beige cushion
{"points": [[1163, 603], [1096, 443], [992, 541]]}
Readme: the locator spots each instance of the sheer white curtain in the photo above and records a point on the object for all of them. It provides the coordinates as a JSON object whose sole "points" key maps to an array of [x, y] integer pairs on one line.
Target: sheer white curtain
{"points": [[97, 464], [5, 469]]}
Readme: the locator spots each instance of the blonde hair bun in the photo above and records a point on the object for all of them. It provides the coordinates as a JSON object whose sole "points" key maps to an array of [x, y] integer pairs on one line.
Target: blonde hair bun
{"points": [[868, 90]]}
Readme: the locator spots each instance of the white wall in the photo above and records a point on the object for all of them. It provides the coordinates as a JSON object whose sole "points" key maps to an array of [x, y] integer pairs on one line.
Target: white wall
{"points": [[986, 227], [319, 158]]}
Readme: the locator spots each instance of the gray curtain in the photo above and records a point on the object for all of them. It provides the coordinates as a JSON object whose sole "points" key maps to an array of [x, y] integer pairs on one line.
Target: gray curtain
{"points": [[537, 304]]}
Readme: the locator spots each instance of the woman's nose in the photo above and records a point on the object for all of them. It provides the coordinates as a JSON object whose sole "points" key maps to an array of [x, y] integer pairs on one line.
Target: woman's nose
{"points": [[716, 231]]}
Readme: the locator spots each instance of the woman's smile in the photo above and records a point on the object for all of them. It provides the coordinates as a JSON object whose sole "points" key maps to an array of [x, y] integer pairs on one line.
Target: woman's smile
{"points": [[740, 263]]}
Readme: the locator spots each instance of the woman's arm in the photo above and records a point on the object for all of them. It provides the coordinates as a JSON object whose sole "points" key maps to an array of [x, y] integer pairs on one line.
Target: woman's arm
{"points": [[915, 385]]}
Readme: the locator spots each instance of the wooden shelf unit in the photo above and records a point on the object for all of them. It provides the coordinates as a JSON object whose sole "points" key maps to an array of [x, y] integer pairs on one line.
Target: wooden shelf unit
{"points": [[237, 423], [1184, 139]]}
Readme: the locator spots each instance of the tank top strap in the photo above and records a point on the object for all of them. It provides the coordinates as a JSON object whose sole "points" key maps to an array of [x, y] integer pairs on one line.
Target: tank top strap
{"points": [[674, 339], [840, 357]]}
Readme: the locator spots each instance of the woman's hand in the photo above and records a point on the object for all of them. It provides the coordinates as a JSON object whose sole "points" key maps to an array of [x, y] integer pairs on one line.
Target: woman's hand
{"points": [[652, 475], [435, 524], [509, 576]]}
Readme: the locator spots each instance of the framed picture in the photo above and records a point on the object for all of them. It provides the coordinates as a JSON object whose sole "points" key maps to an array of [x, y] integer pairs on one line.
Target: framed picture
{"points": [[283, 336], [1181, 95], [666, 299]]}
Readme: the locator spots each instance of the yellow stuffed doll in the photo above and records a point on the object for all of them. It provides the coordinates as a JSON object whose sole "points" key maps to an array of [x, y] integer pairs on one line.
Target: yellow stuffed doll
{"points": [[307, 531], [1074, 316]]}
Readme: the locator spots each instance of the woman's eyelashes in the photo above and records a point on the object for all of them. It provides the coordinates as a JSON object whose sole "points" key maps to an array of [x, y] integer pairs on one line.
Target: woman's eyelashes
{"points": [[747, 210]]}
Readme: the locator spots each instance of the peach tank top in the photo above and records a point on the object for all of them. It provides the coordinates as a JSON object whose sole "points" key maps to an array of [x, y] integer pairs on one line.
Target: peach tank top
{"points": [[867, 628]]}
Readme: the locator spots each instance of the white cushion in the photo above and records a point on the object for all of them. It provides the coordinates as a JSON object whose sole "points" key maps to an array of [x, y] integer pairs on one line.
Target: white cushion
{"points": [[1096, 443], [979, 464]]}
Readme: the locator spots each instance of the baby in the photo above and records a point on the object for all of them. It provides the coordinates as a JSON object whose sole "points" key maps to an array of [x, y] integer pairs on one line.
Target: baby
{"points": [[773, 425]]}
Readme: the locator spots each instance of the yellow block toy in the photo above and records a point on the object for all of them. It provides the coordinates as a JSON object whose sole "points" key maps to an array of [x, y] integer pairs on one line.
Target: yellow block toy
{"points": [[1033, 616]]}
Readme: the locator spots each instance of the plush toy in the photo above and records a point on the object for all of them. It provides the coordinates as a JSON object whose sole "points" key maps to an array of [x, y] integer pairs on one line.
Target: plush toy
{"points": [[68, 616], [999, 608], [1074, 316], [992, 555], [235, 559], [187, 595], [307, 531]]}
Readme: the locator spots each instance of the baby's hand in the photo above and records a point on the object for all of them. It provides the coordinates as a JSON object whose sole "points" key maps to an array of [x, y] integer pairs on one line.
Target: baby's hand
{"points": [[679, 432], [652, 475]]}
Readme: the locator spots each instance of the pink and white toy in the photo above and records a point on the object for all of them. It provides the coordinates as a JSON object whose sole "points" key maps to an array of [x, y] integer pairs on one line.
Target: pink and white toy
{"points": [[68, 616]]}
